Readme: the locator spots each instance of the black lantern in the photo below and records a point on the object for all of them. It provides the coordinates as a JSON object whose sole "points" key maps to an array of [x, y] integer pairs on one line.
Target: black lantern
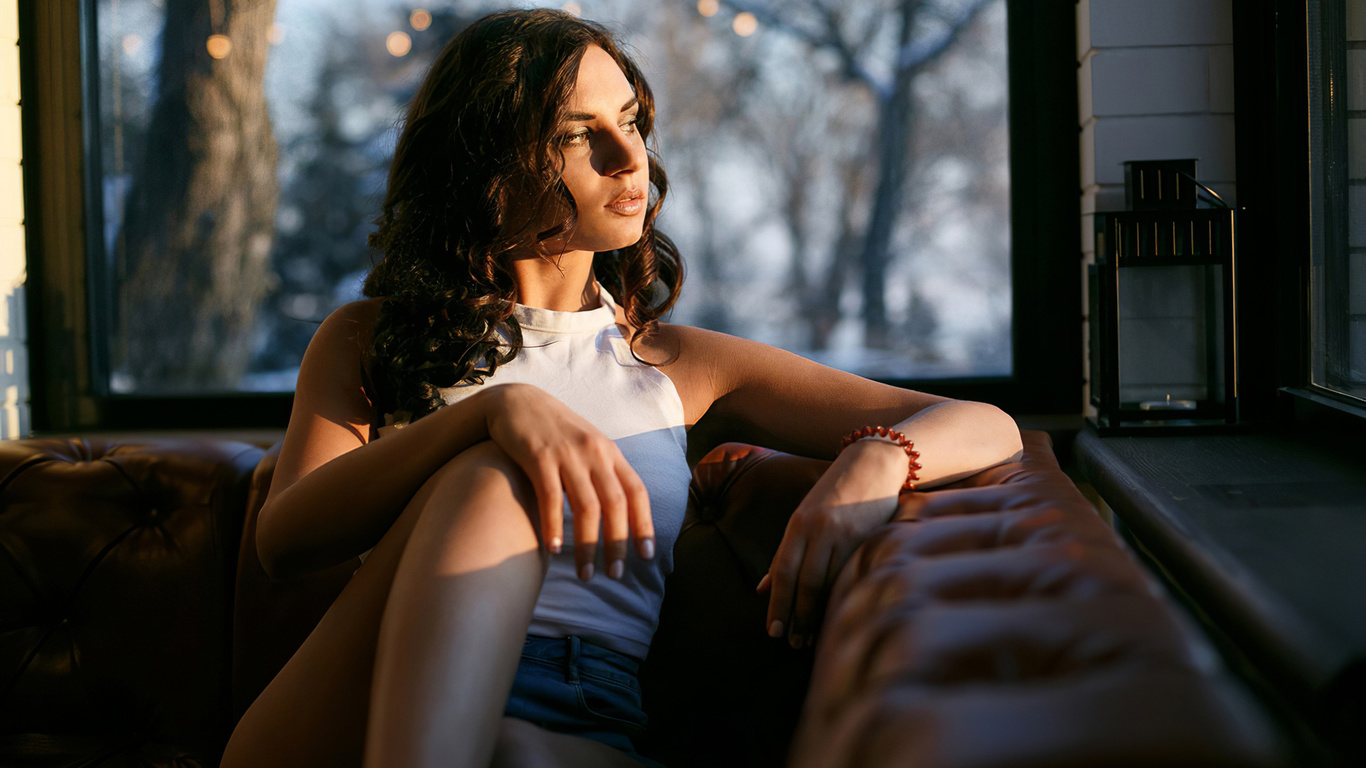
{"points": [[1163, 318]]}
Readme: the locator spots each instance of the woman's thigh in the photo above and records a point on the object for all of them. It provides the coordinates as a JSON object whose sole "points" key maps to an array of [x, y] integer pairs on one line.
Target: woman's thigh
{"points": [[315, 711], [526, 745]]}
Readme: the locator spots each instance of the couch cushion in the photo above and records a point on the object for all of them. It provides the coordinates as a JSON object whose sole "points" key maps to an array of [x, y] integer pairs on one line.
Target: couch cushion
{"points": [[115, 596], [717, 689]]}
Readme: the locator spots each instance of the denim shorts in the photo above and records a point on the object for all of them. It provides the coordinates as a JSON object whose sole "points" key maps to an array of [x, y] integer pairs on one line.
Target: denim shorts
{"points": [[569, 685]]}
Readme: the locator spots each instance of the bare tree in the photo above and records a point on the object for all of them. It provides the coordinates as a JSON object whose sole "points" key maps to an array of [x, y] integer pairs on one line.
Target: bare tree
{"points": [[707, 108], [817, 147], [193, 253], [924, 31]]}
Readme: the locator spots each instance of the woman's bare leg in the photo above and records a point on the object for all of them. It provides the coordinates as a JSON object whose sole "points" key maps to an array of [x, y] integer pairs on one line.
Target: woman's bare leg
{"points": [[314, 713], [455, 621], [527, 745]]}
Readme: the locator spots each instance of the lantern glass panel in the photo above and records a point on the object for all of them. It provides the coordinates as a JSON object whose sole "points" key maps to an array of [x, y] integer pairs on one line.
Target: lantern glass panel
{"points": [[1171, 332]]}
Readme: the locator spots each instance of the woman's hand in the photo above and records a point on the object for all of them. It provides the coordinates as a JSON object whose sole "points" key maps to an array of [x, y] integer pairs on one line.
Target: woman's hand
{"points": [[564, 455], [855, 496]]}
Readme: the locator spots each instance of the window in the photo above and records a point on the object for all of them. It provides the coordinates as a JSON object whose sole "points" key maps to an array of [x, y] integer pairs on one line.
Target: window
{"points": [[1337, 168], [246, 221], [225, 324]]}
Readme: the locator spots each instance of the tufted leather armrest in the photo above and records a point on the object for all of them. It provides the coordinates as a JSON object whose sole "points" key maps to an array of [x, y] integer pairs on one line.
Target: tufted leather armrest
{"points": [[116, 569], [1005, 625], [721, 692], [996, 622]]}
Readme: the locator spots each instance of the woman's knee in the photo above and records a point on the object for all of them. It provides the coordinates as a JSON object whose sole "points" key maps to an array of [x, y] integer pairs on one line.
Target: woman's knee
{"points": [[481, 480], [484, 468]]}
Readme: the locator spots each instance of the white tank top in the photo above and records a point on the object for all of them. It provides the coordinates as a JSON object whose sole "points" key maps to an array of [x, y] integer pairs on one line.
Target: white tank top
{"points": [[583, 360]]}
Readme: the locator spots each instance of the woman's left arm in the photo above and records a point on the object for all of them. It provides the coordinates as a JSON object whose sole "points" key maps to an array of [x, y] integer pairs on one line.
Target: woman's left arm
{"points": [[784, 401]]}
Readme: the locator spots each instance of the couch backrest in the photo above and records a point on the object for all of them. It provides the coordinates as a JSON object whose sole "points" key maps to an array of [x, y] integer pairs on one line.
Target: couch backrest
{"points": [[135, 617], [116, 578]]}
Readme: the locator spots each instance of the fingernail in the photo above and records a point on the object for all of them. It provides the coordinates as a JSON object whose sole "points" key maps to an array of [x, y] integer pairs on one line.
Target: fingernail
{"points": [[556, 545], [615, 569], [586, 571], [796, 641], [775, 629], [647, 549]]}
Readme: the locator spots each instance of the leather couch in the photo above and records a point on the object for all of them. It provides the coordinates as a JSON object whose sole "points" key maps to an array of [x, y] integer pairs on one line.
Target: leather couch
{"points": [[995, 623]]}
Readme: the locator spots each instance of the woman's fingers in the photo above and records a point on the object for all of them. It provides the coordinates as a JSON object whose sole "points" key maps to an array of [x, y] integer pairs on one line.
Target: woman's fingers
{"points": [[609, 502], [568, 458], [583, 500], [550, 501], [799, 582], [612, 501], [812, 581], [782, 585], [637, 509]]}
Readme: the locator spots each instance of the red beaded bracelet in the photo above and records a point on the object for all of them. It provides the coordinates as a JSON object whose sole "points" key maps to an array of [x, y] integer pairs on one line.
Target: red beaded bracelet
{"points": [[896, 437]]}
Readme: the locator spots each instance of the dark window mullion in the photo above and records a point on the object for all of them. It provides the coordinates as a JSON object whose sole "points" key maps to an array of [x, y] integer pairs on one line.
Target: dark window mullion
{"points": [[1337, 222]]}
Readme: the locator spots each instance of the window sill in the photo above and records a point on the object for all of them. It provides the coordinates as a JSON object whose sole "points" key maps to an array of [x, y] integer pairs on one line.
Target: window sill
{"points": [[1263, 534], [262, 437]]}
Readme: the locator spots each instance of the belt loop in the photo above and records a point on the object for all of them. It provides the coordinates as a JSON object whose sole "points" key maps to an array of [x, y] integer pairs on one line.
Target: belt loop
{"points": [[571, 661]]}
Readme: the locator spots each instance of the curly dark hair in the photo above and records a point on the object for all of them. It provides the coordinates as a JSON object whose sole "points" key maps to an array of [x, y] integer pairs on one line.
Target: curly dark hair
{"points": [[475, 176]]}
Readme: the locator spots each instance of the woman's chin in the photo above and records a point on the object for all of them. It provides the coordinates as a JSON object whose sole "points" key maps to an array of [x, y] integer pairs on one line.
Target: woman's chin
{"points": [[608, 243]]}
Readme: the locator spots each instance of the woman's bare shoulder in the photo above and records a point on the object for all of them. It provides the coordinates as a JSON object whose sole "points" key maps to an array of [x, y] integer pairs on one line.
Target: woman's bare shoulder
{"points": [[353, 321], [693, 358], [698, 347], [337, 354], [670, 345]]}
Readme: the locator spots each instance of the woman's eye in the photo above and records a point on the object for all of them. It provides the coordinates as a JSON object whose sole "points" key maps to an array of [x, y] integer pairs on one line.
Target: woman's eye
{"points": [[583, 137]]}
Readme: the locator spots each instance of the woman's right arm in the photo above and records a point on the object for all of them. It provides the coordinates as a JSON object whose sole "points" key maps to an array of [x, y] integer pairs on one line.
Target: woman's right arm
{"points": [[334, 492]]}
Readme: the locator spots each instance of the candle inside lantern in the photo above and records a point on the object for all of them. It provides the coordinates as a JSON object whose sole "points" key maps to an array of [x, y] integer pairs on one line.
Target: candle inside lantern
{"points": [[1167, 405]]}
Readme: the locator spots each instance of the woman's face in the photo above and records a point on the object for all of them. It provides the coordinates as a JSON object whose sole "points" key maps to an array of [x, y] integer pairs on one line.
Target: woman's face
{"points": [[605, 165]]}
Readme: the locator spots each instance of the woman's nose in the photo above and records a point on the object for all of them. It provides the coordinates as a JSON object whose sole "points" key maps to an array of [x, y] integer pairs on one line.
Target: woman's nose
{"points": [[618, 152]]}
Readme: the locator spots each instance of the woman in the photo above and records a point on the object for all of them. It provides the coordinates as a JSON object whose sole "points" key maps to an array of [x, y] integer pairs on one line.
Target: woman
{"points": [[495, 413]]}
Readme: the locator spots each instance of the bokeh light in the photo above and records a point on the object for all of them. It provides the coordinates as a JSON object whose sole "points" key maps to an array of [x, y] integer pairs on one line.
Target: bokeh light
{"points": [[745, 24], [420, 19], [219, 46], [708, 7], [131, 44], [398, 43], [572, 8]]}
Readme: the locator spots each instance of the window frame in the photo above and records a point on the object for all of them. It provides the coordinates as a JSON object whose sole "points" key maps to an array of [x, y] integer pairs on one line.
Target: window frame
{"points": [[1273, 169], [69, 381], [1331, 163]]}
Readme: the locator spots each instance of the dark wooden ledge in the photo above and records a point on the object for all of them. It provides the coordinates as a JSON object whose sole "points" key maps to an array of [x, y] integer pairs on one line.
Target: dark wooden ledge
{"points": [[1265, 533]]}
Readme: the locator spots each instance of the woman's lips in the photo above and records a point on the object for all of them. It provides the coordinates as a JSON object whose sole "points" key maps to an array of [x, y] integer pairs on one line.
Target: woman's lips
{"points": [[628, 204]]}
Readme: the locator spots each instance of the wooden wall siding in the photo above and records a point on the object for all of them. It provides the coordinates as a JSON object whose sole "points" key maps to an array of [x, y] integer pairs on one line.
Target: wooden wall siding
{"points": [[1155, 81]]}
